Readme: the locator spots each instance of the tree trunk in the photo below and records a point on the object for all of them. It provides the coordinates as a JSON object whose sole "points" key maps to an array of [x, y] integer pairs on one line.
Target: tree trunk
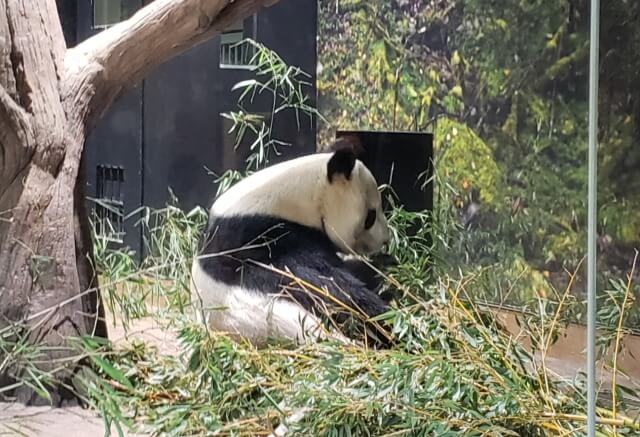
{"points": [[50, 97]]}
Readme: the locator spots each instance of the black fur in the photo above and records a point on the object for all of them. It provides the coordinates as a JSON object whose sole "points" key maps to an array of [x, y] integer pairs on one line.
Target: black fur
{"points": [[351, 142], [237, 243], [371, 278], [341, 163]]}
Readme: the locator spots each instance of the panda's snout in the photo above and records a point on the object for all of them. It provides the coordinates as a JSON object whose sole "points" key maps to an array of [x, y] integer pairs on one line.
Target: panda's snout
{"points": [[380, 236], [387, 234]]}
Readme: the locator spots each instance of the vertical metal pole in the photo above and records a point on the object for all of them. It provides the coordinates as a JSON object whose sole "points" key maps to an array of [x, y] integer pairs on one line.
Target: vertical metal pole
{"points": [[592, 216]]}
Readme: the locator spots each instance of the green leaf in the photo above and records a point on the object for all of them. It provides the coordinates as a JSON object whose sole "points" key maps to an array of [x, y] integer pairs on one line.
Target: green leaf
{"points": [[114, 373], [245, 84]]}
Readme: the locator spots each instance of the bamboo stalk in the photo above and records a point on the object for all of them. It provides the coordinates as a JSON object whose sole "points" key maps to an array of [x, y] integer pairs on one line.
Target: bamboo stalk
{"points": [[618, 338]]}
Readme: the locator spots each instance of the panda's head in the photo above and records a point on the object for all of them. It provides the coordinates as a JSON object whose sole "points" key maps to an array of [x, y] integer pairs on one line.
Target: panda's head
{"points": [[351, 206], [332, 192]]}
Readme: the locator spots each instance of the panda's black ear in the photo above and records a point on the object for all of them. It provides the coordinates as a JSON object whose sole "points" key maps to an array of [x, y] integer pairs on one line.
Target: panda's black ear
{"points": [[347, 142], [341, 163]]}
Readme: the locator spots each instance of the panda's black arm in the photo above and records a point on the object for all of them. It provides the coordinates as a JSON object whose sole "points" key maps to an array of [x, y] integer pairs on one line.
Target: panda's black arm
{"points": [[364, 272], [330, 273], [370, 276], [308, 253]]}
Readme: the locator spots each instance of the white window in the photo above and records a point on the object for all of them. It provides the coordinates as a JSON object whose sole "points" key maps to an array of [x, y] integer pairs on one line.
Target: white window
{"points": [[234, 52], [109, 203], [106, 13]]}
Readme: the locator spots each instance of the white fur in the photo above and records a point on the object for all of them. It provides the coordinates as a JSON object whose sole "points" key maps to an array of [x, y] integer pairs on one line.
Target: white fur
{"points": [[250, 314], [297, 190]]}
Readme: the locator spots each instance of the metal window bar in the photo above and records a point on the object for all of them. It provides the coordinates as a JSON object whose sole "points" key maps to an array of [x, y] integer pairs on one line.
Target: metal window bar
{"points": [[233, 51], [109, 208], [106, 13]]}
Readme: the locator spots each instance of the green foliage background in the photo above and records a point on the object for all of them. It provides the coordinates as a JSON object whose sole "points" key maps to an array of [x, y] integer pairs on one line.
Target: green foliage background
{"points": [[503, 86]]}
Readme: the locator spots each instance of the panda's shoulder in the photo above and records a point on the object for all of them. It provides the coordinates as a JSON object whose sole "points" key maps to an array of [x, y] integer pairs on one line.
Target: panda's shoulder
{"points": [[256, 230]]}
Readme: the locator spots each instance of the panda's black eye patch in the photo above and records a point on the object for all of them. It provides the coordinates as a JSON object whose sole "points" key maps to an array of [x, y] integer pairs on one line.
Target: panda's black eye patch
{"points": [[371, 219]]}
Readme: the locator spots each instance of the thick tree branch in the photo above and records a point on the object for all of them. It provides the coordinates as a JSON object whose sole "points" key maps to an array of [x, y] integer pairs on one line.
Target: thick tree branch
{"points": [[98, 69]]}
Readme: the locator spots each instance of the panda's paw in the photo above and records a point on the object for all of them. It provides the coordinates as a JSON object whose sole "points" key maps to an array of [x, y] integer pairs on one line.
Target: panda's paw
{"points": [[384, 261], [388, 293]]}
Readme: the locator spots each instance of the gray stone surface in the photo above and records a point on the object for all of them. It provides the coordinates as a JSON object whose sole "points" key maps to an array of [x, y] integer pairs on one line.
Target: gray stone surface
{"points": [[19, 420]]}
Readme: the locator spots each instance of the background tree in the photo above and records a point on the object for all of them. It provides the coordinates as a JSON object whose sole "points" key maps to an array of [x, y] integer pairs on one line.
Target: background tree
{"points": [[50, 98], [503, 85]]}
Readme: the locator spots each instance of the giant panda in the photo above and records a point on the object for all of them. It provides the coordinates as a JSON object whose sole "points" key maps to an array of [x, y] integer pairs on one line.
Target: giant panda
{"points": [[294, 217]]}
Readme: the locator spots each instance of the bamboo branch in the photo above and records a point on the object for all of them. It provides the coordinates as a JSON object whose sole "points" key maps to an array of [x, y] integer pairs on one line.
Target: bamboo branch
{"points": [[619, 330], [619, 421]]}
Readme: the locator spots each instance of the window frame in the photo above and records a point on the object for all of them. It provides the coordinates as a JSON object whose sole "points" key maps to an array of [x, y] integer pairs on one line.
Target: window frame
{"points": [[95, 26], [108, 209], [248, 29]]}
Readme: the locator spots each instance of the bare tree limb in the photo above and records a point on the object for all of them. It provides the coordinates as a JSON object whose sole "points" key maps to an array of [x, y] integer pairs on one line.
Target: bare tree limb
{"points": [[36, 56], [98, 69]]}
